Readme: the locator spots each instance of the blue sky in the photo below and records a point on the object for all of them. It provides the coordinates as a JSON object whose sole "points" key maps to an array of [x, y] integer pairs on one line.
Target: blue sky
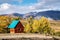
{"points": [[26, 6], [19, 2]]}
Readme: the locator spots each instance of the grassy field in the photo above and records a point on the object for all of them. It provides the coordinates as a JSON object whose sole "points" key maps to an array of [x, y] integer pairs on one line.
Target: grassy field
{"points": [[55, 25]]}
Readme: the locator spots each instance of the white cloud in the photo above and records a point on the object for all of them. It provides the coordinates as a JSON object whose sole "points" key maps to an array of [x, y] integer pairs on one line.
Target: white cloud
{"points": [[49, 4], [8, 8], [42, 5], [4, 6]]}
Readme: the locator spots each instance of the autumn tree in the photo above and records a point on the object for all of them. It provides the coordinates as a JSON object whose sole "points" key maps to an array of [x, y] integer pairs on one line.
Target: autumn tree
{"points": [[5, 21], [35, 26], [27, 28], [45, 26], [30, 21]]}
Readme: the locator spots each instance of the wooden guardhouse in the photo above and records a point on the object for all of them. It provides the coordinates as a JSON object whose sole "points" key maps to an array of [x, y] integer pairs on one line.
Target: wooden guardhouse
{"points": [[16, 27]]}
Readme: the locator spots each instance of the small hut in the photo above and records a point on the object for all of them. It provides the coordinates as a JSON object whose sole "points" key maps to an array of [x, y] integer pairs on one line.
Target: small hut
{"points": [[16, 27]]}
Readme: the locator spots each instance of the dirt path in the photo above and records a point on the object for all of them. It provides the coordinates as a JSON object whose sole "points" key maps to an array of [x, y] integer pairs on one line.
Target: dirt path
{"points": [[23, 35]]}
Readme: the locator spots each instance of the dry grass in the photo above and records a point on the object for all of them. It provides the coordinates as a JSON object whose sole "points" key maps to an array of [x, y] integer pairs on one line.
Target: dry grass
{"points": [[55, 25]]}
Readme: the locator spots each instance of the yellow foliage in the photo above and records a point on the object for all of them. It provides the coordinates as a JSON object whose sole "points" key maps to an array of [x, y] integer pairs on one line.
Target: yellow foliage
{"points": [[35, 26], [44, 22], [27, 28]]}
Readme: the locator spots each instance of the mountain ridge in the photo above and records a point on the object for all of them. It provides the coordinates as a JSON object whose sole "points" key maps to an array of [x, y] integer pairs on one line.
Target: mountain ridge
{"points": [[49, 14]]}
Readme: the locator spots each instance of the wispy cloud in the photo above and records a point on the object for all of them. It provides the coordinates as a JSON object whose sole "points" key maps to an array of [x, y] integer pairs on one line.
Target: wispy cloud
{"points": [[41, 5]]}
